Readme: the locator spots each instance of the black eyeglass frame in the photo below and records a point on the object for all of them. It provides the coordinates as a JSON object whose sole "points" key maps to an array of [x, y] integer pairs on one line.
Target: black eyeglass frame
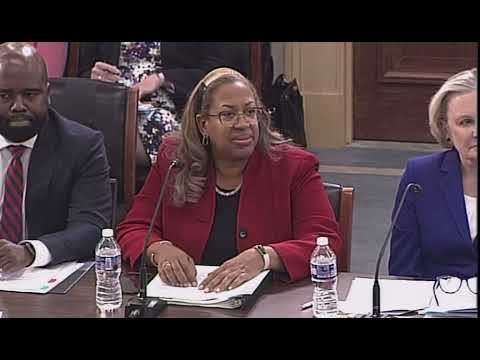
{"points": [[258, 111], [437, 284]]}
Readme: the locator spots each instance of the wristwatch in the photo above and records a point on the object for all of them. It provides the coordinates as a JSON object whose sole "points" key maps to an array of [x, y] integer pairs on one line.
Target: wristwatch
{"points": [[266, 258], [31, 250]]}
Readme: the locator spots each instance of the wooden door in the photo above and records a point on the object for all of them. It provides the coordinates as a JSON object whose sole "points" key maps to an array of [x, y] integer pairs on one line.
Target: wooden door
{"points": [[394, 82]]}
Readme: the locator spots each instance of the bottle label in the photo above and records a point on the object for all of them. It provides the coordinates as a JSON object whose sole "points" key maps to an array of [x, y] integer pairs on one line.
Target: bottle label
{"points": [[107, 263], [323, 272]]}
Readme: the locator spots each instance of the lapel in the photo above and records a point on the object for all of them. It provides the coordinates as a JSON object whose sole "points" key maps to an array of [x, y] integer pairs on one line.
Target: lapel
{"points": [[255, 204], [40, 170], [452, 188], [205, 208], [250, 176]]}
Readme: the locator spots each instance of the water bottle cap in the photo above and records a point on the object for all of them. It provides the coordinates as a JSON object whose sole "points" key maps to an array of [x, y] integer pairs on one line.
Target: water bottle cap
{"points": [[107, 233], [322, 241]]}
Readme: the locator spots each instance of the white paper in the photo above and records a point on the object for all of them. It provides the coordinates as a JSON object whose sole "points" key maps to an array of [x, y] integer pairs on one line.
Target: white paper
{"points": [[193, 295], [464, 299], [394, 295], [39, 280]]}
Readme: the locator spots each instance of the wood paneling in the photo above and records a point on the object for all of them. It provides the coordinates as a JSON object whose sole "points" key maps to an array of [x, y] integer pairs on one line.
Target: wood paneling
{"points": [[393, 84]]}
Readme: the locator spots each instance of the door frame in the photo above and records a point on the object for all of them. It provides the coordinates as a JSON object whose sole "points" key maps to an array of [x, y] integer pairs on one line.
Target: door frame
{"points": [[324, 71]]}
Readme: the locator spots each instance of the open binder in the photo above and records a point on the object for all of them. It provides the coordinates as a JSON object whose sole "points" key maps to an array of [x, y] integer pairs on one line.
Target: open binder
{"points": [[191, 296]]}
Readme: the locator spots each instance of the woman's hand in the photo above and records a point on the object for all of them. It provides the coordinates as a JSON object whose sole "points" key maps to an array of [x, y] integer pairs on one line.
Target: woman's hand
{"points": [[105, 72], [234, 272], [175, 267], [150, 84]]}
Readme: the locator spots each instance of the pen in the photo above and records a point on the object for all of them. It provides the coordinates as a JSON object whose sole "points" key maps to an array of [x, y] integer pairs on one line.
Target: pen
{"points": [[307, 305]]}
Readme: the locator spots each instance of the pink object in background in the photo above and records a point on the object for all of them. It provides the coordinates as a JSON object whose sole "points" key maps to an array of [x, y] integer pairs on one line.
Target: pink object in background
{"points": [[55, 55]]}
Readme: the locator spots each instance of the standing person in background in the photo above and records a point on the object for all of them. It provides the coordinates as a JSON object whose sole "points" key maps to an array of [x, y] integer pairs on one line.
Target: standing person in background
{"points": [[164, 73]]}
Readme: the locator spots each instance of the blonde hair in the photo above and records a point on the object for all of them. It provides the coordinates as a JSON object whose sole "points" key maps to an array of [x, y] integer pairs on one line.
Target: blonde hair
{"points": [[190, 181], [460, 83]]}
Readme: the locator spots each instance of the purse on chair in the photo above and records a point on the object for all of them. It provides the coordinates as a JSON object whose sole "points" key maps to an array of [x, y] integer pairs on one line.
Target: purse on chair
{"points": [[285, 103]]}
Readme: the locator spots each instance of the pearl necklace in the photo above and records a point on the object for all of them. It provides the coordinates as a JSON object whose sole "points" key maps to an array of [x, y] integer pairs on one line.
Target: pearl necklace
{"points": [[228, 194]]}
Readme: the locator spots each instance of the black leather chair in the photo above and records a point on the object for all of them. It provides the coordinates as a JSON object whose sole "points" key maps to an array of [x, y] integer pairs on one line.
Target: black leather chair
{"points": [[341, 199], [111, 109]]}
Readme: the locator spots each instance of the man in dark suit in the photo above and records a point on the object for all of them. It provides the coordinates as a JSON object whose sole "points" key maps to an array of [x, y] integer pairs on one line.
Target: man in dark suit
{"points": [[54, 191]]}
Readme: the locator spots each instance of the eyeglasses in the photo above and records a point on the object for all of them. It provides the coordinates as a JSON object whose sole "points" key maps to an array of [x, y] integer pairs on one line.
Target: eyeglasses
{"points": [[231, 118], [451, 285]]}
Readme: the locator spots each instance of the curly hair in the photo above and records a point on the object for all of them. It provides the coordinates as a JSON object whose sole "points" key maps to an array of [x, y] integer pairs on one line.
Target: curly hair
{"points": [[460, 83], [191, 178]]}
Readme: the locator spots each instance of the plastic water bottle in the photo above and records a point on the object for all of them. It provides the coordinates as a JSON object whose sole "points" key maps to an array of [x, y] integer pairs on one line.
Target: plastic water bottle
{"points": [[323, 266], [108, 267]]}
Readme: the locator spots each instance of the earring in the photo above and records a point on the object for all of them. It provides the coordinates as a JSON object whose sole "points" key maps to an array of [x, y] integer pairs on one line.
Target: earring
{"points": [[449, 142], [205, 140]]}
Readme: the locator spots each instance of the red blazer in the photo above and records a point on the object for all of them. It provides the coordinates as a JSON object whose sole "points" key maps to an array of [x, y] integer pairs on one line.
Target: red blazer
{"points": [[283, 204]]}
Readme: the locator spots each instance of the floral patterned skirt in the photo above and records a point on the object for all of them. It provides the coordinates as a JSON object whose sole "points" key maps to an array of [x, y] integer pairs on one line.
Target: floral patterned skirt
{"points": [[155, 120]]}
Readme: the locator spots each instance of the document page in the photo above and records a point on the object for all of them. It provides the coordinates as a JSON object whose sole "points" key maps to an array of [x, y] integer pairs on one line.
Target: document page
{"points": [[394, 295], [38, 280], [157, 288]]}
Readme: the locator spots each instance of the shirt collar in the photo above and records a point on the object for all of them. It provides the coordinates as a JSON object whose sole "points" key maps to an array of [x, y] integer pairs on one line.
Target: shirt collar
{"points": [[4, 143]]}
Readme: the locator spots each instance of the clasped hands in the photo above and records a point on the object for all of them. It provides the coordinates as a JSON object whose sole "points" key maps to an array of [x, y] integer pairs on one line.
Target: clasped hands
{"points": [[177, 268]]}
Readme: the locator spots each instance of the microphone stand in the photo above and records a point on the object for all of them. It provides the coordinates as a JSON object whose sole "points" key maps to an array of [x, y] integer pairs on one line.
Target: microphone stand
{"points": [[143, 306], [376, 313]]}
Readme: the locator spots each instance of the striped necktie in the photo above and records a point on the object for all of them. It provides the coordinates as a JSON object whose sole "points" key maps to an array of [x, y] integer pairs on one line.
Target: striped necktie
{"points": [[11, 224]]}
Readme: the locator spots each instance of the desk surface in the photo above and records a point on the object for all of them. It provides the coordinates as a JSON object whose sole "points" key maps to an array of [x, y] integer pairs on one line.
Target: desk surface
{"points": [[278, 300]]}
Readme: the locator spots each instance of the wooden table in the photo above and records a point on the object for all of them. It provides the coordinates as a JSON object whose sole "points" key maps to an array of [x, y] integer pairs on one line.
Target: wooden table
{"points": [[277, 300]]}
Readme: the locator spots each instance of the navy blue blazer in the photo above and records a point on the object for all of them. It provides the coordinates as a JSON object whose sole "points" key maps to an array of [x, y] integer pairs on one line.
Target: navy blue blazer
{"points": [[432, 235], [68, 200]]}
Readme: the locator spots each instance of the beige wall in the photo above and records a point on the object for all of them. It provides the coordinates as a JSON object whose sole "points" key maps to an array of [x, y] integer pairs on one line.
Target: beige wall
{"points": [[324, 73], [278, 54]]}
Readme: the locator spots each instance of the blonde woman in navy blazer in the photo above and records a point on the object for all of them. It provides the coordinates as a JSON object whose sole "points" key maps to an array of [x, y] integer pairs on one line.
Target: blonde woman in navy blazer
{"points": [[437, 229]]}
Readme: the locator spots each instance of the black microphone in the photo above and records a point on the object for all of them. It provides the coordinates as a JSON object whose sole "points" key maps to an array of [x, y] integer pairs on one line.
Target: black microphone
{"points": [[143, 306], [376, 286]]}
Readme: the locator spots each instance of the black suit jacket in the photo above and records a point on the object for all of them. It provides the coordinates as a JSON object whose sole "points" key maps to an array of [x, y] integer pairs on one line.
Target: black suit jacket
{"points": [[68, 200], [184, 63]]}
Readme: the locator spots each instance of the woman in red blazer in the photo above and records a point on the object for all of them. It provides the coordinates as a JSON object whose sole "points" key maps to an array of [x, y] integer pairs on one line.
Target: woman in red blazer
{"points": [[241, 198]]}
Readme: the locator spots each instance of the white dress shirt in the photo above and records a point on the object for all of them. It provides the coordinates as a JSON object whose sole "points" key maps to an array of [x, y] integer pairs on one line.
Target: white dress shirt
{"points": [[42, 254], [471, 206]]}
